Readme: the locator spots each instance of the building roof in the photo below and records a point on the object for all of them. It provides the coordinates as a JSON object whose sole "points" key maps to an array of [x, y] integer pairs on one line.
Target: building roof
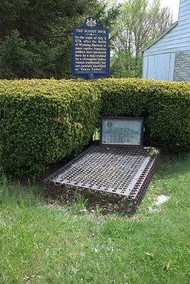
{"points": [[163, 35]]}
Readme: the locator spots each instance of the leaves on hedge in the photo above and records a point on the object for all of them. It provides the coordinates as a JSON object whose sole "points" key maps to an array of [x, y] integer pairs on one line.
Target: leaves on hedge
{"points": [[42, 121]]}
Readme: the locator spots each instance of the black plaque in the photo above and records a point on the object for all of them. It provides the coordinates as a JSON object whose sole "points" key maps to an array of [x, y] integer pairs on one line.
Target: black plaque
{"points": [[90, 51], [122, 131]]}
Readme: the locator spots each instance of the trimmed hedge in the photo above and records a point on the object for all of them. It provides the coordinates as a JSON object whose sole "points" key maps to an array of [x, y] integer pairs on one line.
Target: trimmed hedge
{"points": [[164, 105], [42, 121]]}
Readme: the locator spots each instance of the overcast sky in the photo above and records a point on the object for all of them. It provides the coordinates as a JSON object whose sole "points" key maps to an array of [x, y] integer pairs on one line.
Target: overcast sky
{"points": [[172, 4]]}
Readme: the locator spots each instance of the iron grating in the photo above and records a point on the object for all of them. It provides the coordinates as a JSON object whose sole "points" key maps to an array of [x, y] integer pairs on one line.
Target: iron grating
{"points": [[122, 173]]}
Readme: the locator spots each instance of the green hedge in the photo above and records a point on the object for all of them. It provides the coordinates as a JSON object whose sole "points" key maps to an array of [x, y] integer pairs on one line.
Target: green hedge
{"points": [[164, 105], [42, 121]]}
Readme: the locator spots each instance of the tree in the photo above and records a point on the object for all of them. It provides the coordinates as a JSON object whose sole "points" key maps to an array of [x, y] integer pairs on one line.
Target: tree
{"points": [[36, 35], [139, 24]]}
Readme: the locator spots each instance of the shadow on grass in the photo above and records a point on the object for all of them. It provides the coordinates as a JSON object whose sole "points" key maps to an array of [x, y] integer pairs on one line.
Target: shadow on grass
{"points": [[172, 164]]}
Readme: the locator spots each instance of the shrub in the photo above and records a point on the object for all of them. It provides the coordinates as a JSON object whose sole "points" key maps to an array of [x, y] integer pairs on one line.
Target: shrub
{"points": [[42, 121], [164, 105]]}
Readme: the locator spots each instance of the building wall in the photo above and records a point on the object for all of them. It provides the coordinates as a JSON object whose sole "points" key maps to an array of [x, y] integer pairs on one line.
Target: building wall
{"points": [[184, 11], [182, 66], [174, 45], [159, 66]]}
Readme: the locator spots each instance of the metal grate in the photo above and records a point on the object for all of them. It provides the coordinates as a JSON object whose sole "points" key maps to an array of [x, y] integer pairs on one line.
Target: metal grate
{"points": [[120, 171]]}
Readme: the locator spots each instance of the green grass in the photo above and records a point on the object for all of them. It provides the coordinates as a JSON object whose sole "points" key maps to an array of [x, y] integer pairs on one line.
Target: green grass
{"points": [[49, 243]]}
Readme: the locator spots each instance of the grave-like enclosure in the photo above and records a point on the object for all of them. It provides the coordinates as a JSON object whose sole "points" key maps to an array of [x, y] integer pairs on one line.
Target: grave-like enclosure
{"points": [[115, 175]]}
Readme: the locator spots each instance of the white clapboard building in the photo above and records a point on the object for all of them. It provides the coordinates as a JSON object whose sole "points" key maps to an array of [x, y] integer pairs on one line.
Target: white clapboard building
{"points": [[168, 58]]}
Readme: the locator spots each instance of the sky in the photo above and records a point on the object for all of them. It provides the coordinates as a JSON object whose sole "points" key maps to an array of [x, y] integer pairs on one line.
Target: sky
{"points": [[174, 7], [172, 4]]}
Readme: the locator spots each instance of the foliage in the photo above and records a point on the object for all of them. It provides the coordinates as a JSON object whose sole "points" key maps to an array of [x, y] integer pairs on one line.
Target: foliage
{"points": [[122, 65], [36, 35], [138, 24], [164, 105], [52, 243], [42, 121], [16, 60]]}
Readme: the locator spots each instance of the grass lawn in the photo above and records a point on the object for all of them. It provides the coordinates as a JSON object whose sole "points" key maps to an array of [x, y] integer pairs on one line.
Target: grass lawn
{"points": [[44, 243]]}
